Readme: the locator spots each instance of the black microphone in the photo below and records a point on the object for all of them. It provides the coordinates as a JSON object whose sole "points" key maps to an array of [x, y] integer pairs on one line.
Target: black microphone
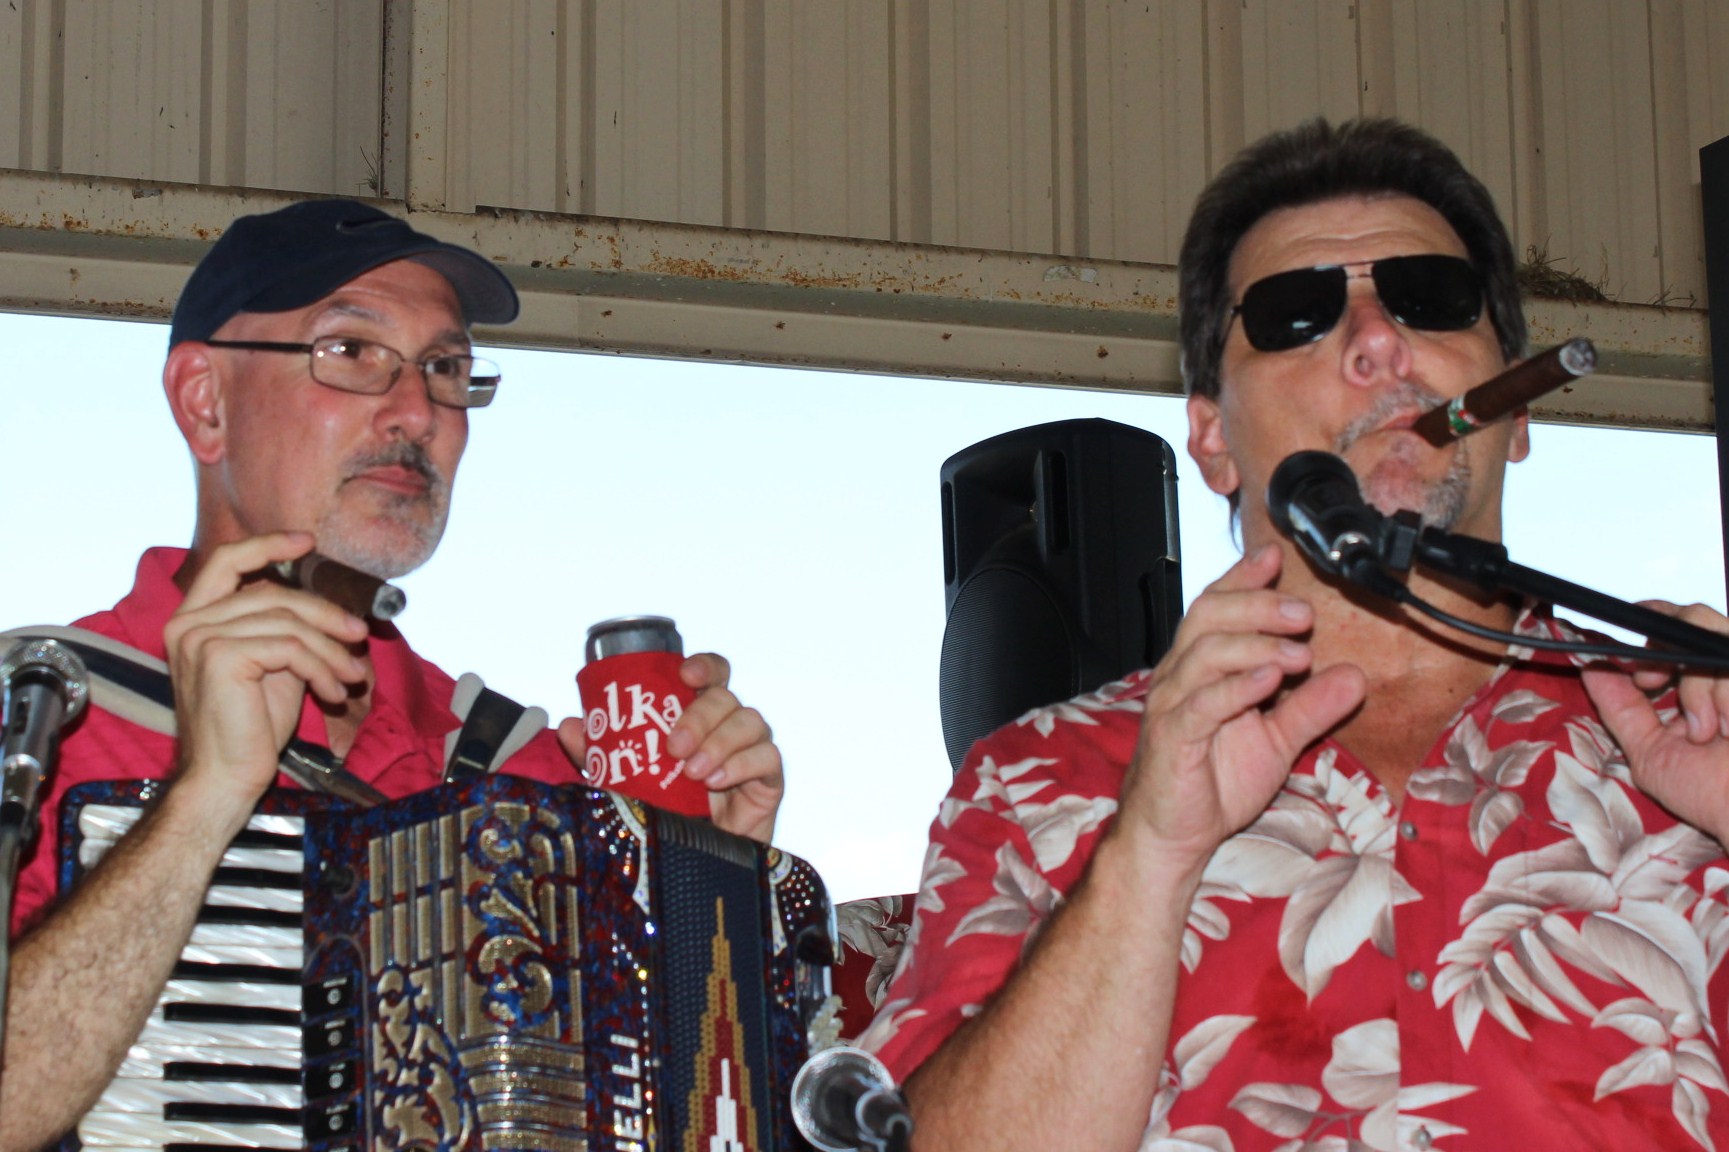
{"points": [[45, 688], [1313, 498], [843, 1099]]}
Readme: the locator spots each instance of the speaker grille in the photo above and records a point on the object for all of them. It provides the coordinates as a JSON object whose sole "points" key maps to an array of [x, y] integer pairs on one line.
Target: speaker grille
{"points": [[1006, 649]]}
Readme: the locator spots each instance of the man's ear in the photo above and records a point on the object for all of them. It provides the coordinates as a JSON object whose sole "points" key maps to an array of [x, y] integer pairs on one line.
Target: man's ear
{"points": [[1519, 446], [1207, 446], [194, 390]]}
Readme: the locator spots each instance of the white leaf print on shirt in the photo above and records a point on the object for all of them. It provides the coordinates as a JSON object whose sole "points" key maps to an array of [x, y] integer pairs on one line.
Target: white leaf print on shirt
{"points": [[1325, 845], [1023, 899], [1078, 711], [1670, 1052], [940, 869], [1053, 827], [1611, 901], [1191, 1061], [1363, 1076], [1474, 773], [871, 926], [1555, 904], [887, 1023], [1522, 707], [990, 788]]}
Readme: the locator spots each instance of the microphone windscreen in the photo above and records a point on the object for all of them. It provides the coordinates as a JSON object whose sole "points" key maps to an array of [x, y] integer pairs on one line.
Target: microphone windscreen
{"points": [[53, 661], [1300, 475]]}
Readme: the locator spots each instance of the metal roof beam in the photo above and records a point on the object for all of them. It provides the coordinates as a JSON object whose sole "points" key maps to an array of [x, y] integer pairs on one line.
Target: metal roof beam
{"points": [[122, 248]]}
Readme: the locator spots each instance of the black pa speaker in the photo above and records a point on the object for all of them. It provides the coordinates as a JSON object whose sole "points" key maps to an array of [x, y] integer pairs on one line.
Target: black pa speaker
{"points": [[1060, 565]]}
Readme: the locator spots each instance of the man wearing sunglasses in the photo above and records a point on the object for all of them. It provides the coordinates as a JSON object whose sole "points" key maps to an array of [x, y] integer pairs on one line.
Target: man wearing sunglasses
{"points": [[1326, 876], [320, 370]]}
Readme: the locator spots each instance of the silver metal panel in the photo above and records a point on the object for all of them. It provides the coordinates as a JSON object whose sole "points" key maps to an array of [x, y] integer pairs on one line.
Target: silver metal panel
{"points": [[131, 89], [1598, 209], [811, 98], [1143, 128], [1690, 89], [301, 107], [1299, 60], [28, 86], [278, 94], [655, 118], [1445, 64]]}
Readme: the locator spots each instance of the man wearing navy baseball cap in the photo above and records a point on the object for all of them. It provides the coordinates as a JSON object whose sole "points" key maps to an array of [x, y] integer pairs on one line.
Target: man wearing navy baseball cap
{"points": [[320, 370]]}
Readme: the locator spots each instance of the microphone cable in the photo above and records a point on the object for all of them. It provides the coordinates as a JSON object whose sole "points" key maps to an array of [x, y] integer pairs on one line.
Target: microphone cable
{"points": [[1612, 650], [1314, 500]]}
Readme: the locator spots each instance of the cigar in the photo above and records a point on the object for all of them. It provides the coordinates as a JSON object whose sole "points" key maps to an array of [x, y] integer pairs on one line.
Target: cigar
{"points": [[1508, 392], [347, 588]]}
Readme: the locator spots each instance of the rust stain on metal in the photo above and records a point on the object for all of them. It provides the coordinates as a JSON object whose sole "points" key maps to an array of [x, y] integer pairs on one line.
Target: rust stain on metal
{"points": [[703, 268], [695, 269], [801, 279]]}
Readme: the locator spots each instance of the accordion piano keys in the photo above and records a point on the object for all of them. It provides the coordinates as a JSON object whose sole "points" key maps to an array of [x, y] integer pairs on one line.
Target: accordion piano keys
{"points": [[218, 1061]]}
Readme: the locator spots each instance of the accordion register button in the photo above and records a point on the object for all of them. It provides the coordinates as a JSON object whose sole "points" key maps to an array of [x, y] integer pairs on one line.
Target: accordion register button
{"points": [[331, 1123], [329, 996], [338, 879], [329, 1080], [329, 1038]]}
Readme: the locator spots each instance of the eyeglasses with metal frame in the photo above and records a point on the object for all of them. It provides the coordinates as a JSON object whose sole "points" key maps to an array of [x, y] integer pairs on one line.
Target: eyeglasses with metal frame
{"points": [[1431, 292], [350, 364]]}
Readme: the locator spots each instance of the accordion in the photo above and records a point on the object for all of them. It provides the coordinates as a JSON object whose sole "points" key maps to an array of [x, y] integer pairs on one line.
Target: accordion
{"points": [[500, 964]]}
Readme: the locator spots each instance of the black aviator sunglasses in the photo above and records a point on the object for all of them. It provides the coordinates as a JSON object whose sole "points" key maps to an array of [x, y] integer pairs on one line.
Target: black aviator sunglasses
{"points": [[1433, 293]]}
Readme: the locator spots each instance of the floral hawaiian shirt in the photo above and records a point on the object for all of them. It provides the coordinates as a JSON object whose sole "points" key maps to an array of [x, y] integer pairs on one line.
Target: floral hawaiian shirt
{"points": [[1528, 949]]}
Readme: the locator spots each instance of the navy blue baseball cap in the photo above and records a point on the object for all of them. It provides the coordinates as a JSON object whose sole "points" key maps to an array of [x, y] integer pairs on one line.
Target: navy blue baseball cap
{"points": [[295, 256]]}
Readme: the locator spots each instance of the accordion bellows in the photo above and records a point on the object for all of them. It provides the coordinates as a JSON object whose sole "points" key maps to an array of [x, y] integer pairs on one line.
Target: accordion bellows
{"points": [[496, 965]]}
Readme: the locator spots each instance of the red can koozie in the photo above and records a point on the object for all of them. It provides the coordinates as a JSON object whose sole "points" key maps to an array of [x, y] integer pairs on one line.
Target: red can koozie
{"points": [[631, 699]]}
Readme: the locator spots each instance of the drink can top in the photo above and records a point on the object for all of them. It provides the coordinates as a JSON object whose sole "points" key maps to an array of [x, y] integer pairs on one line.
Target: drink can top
{"points": [[625, 634]]}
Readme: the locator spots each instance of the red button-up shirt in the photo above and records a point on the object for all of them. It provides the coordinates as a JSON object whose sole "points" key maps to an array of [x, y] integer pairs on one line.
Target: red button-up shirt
{"points": [[399, 748], [1529, 949]]}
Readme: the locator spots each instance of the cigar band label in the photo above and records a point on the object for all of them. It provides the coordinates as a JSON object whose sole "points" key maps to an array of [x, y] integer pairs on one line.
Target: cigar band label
{"points": [[1460, 419]]}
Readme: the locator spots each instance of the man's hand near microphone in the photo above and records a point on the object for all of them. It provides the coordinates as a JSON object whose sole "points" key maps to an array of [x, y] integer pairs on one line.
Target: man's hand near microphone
{"points": [[1218, 737]]}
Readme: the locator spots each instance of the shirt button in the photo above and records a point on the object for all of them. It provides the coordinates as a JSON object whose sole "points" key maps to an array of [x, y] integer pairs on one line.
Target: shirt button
{"points": [[1417, 979], [1422, 1139], [1407, 830]]}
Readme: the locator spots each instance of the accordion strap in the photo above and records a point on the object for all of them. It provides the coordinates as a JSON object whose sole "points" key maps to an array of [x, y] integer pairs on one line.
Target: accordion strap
{"points": [[134, 686], [494, 727]]}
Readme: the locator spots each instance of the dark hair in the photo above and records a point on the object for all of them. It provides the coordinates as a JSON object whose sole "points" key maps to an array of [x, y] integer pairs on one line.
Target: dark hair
{"points": [[1311, 163]]}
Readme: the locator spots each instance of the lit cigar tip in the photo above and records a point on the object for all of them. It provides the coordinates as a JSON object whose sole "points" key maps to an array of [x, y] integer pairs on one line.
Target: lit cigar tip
{"points": [[1579, 356], [388, 602]]}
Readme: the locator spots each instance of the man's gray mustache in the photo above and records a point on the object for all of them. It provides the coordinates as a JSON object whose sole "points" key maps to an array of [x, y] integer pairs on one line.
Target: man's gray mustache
{"points": [[1408, 396], [409, 456]]}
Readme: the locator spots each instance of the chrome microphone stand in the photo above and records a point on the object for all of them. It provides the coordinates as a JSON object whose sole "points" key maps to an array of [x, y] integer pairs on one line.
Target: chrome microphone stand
{"points": [[45, 687]]}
